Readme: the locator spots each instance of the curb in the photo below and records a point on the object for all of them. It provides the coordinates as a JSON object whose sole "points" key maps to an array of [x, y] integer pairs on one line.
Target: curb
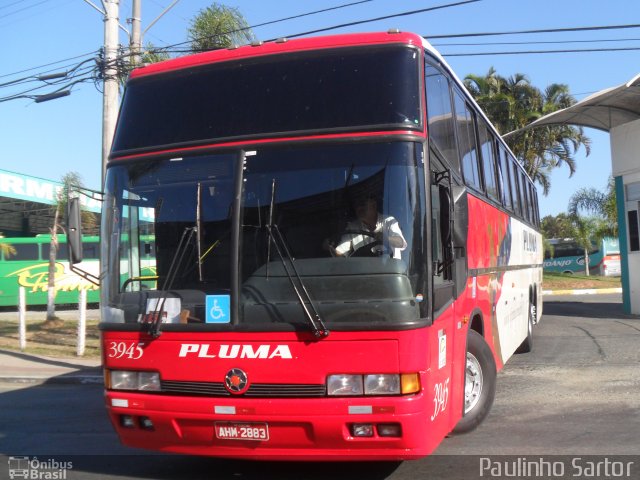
{"points": [[31, 369], [78, 377], [58, 380], [588, 291]]}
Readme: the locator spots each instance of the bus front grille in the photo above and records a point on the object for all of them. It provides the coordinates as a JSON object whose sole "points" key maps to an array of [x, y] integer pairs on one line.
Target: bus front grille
{"points": [[256, 390]]}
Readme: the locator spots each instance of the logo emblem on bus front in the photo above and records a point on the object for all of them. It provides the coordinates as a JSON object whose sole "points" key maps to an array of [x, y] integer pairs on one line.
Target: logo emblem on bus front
{"points": [[236, 381]]}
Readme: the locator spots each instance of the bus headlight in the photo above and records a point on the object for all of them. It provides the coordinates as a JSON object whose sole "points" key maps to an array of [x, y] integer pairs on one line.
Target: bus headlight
{"points": [[382, 384], [373, 384], [344, 385], [149, 381], [131, 380]]}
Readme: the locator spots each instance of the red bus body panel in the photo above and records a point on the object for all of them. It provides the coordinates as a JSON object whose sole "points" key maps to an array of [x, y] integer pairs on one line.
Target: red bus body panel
{"points": [[299, 428]]}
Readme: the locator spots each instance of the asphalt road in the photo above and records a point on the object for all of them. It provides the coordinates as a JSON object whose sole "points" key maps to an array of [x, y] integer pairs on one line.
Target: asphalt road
{"points": [[577, 394]]}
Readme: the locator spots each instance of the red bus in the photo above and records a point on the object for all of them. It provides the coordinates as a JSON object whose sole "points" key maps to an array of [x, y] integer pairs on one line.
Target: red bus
{"points": [[346, 253]]}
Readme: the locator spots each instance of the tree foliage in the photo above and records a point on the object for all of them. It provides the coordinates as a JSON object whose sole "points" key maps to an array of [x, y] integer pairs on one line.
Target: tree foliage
{"points": [[601, 204], [218, 26], [583, 230], [600, 220], [7, 249], [512, 103], [559, 226], [214, 27], [153, 54]]}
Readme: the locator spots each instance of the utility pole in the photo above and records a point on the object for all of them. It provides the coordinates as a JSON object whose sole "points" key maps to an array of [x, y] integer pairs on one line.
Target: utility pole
{"points": [[111, 87], [110, 99], [136, 33]]}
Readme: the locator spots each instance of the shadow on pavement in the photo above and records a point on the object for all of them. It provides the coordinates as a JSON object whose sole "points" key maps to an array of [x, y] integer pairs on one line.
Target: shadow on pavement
{"points": [[178, 467], [607, 310], [43, 360], [63, 421]]}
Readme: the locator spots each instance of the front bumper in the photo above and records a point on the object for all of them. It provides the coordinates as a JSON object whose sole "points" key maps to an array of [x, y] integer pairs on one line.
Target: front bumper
{"points": [[299, 429]]}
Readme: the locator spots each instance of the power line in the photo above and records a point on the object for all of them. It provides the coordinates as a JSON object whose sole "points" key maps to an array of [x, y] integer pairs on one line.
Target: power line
{"points": [[168, 47], [78, 74], [534, 52], [91, 73], [548, 30], [540, 42], [330, 9], [270, 22], [385, 17], [11, 4], [48, 64], [38, 77], [334, 27], [23, 9]]}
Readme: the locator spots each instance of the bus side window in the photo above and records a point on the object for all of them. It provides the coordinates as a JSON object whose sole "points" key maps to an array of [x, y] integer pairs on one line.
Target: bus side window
{"points": [[532, 203], [535, 196], [487, 149], [507, 195], [61, 251], [526, 204], [25, 251], [521, 193], [440, 114], [467, 145], [515, 188], [90, 250]]}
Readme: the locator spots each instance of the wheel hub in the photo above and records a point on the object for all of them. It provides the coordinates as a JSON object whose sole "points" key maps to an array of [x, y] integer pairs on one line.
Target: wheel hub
{"points": [[473, 383]]}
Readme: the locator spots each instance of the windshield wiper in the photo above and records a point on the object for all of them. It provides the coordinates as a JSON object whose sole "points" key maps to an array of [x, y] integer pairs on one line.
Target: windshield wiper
{"points": [[313, 316], [176, 261]]}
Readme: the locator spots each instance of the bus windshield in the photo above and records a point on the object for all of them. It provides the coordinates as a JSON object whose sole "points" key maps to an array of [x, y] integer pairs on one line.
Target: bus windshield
{"points": [[348, 217], [320, 91]]}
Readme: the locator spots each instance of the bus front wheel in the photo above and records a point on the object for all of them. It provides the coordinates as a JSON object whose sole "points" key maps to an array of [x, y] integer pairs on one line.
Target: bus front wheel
{"points": [[480, 383]]}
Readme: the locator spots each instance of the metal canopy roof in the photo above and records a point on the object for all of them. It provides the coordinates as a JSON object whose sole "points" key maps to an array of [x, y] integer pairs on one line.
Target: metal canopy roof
{"points": [[27, 204], [603, 110]]}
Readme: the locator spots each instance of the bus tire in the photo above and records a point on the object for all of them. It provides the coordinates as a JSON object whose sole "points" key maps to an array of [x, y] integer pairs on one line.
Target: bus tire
{"points": [[480, 383], [527, 345]]}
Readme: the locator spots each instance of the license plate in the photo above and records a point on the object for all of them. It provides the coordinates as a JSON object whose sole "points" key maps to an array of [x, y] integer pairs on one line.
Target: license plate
{"points": [[242, 431]]}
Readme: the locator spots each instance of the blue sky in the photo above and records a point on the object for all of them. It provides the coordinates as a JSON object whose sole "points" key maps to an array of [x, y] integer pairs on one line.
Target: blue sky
{"points": [[50, 139]]}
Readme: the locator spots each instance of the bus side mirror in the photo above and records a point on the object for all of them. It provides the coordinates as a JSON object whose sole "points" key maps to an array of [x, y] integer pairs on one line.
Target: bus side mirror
{"points": [[74, 231]]}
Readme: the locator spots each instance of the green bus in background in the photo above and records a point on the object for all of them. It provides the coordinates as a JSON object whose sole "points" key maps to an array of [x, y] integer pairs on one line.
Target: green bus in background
{"points": [[568, 257], [24, 261]]}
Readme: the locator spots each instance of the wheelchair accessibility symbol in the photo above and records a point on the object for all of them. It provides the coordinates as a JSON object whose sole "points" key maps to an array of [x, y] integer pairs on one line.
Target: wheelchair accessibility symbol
{"points": [[218, 309]]}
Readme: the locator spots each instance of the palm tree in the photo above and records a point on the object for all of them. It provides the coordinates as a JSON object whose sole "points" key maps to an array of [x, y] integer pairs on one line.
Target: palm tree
{"points": [[491, 94], [6, 248], [602, 223], [601, 204], [218, 26], [512, 103]]}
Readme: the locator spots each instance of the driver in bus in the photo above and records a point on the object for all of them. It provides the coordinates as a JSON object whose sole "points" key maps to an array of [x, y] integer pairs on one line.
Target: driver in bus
{"points": [[369, 228]]}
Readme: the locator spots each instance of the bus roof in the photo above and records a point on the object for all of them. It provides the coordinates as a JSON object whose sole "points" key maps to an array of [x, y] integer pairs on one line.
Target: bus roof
{"points": [[276, 47]]}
